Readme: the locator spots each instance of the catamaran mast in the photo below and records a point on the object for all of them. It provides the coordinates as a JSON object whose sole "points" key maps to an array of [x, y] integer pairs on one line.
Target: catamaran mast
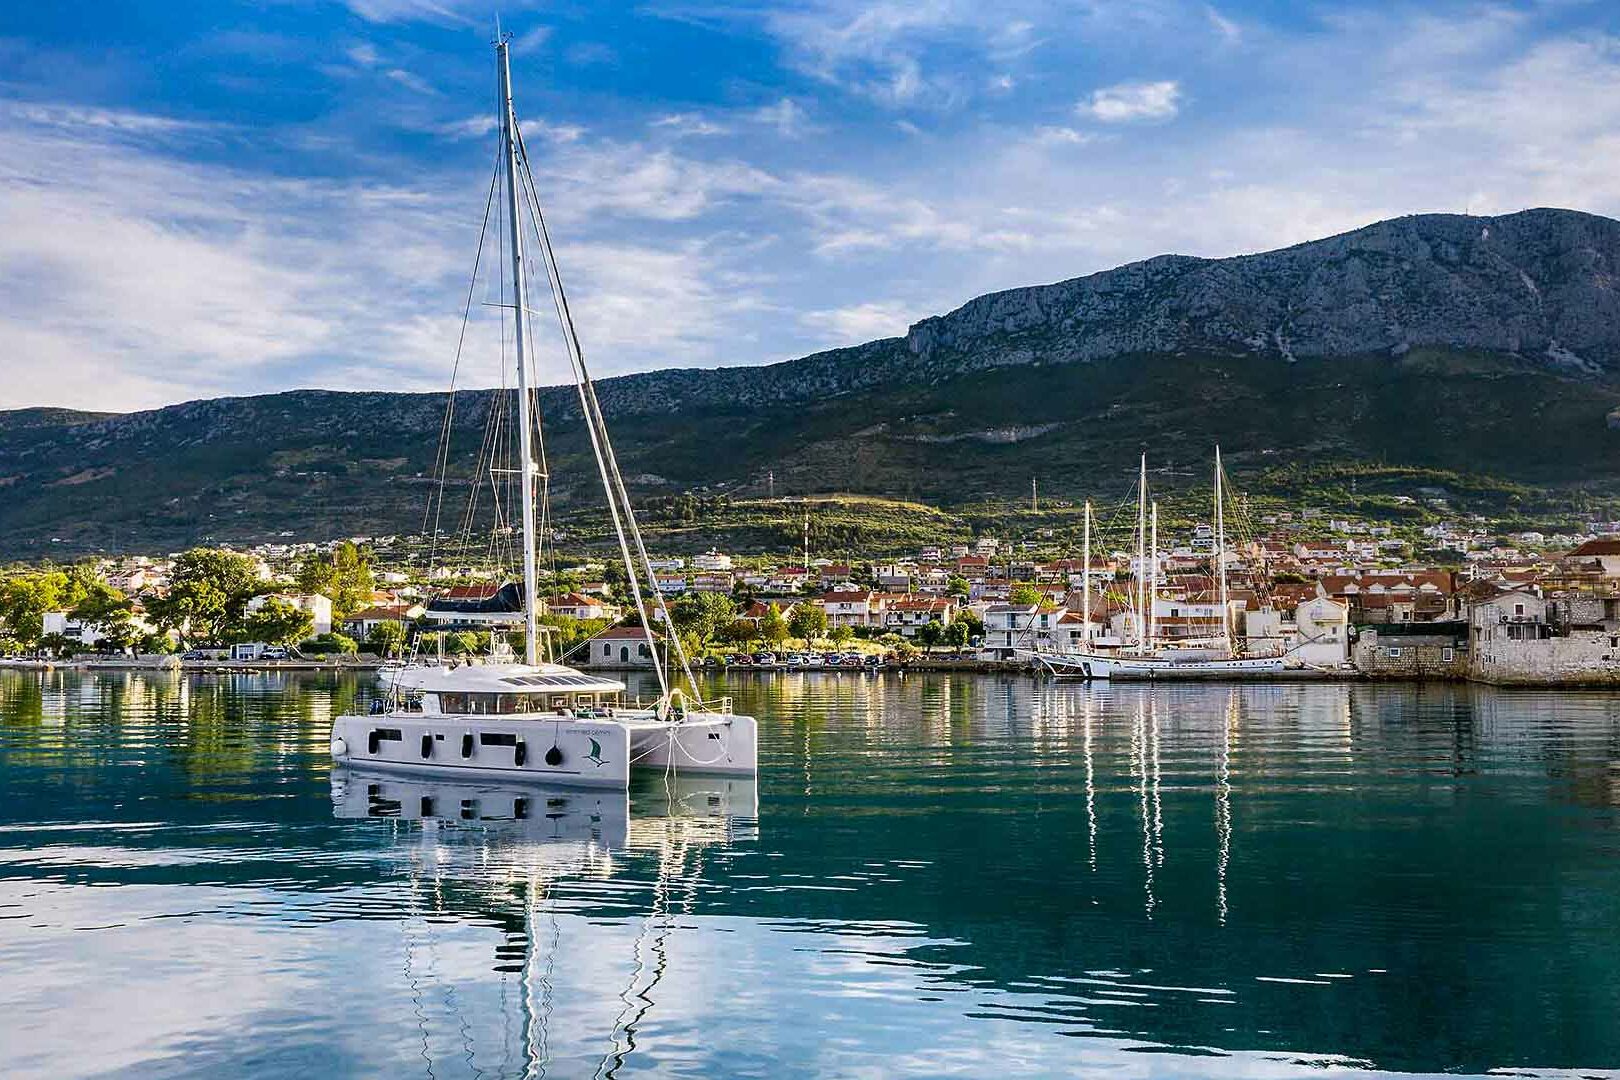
{"points": [[1220, 554], [520, 299]]}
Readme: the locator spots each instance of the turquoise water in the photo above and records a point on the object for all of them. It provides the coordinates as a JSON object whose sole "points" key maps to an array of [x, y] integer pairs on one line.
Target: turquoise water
{"points": [[944, 876]]}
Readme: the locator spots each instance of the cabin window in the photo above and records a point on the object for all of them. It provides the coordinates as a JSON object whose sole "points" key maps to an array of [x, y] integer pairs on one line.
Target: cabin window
{"points": [[497, 738], [607, 650], [1447, 655], [1395, 652], [486, 704]]}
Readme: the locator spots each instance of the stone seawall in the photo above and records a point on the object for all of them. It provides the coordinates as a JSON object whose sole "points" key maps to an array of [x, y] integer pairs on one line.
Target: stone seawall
{"points": [[1583, 658]]}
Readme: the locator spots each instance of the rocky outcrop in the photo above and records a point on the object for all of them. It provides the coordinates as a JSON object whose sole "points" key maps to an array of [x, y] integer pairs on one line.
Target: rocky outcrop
{"points": [[1541, 284]]}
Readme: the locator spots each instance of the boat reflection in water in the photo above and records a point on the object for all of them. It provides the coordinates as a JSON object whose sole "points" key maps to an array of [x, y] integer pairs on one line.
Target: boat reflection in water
{"points": [[578, 978], [686, 804]]}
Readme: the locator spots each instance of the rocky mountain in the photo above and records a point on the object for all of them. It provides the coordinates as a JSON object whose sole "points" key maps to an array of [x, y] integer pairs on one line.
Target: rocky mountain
{"points": [[1540, 285], [1486, 345]]}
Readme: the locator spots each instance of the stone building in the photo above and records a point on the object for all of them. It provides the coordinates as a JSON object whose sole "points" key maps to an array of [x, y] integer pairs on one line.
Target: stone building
{"points": [[1437, 650], [1514, 641]]}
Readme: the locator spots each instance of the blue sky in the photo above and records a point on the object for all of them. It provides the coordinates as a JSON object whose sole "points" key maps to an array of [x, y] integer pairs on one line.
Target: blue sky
{"points": [[206, 198]]}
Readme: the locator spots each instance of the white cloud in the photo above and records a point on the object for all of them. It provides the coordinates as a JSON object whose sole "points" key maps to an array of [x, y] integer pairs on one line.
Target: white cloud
{"points": [[1227, 29], [684, 124], [1057, 134], [471, 127], [106, 120], [547, 130], [152, 279], [1126, 102], [387, 11], [862, 322], [786, 116], [530, 41], [410, 81], [364, 54]]}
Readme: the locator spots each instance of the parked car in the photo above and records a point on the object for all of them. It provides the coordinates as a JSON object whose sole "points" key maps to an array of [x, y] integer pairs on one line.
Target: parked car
{"points": [[765, 658], [852, 659], [274, 652], [872, 660], [193, 654]]}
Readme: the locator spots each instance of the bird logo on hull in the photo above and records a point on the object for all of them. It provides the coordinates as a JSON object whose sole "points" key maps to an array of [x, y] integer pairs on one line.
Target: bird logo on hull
{"points": [[595, 754]]}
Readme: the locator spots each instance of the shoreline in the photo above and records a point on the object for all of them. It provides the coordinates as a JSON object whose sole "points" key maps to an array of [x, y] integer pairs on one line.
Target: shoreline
{"points": [[921, 666]]}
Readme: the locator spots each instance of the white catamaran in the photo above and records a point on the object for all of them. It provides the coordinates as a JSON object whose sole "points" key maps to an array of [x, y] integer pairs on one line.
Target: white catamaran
{"points": [[546, 722], [1144, 657]]}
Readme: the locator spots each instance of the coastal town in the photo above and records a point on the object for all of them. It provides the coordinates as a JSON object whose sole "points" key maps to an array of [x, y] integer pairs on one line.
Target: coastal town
{"points": [[1335, 594]]}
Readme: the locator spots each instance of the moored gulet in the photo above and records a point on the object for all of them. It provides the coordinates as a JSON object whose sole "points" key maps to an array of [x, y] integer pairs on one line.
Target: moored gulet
{"points": [[546, 722], [1146, 657]]}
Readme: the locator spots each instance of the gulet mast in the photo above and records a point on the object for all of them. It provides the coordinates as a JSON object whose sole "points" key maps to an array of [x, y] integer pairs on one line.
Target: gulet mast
{"points": [[1220, 555], [528, 470], [1153, 580], [1085, 577], [1141, 558]]}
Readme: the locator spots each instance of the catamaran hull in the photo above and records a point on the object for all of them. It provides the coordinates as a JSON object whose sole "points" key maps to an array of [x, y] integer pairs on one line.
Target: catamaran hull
{"points": [[566, 750], [1093, 666]]}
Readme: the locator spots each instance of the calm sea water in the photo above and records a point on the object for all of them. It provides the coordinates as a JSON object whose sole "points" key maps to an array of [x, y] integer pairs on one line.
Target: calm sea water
{"points": [[936, 876]]}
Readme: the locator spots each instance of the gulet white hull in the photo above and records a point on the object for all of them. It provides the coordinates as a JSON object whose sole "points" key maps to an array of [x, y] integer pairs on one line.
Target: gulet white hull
{"points": [[1101, 666]]}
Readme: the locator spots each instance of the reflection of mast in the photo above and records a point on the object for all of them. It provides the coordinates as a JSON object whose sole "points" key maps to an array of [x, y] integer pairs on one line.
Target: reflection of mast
{"points": [[537, 1020], [653, 938], [1139, 764], [1223, 805], [1091, 787], [1158, 815]]}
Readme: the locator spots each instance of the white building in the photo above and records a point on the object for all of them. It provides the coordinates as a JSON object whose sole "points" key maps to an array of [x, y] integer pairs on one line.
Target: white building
{"points": [[711, 560], [316, 606], [1322, 629]]}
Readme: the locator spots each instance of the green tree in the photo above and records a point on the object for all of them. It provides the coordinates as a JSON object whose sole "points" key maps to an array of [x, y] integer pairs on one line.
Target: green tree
{"points": [[957, 586], [26, 598], [119, 636], [155, 644], [972, 626], [930, 634], [1024, 595], [742, 632], [342, 575], [329, 644], [840, 634], [275, 622], [207, 596], [59, 645], [388, 639], [772, 627], [808, 621], [463, 643], [101, 605], [703, 615]]}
